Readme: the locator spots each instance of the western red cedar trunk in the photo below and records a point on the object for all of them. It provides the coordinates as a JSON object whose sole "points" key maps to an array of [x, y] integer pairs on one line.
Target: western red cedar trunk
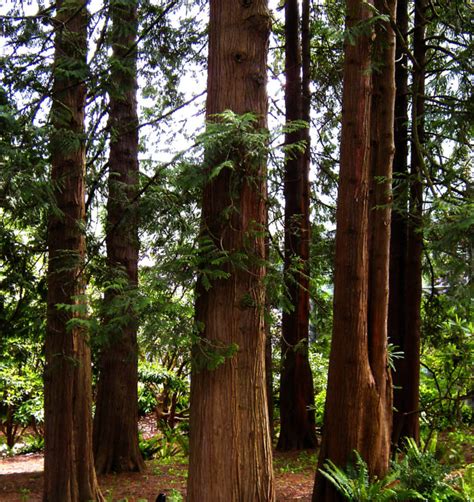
{"points": [[306, 81], [230, 450], [382, 153], [296, 383], [69, 474], [116, 418], [358, 404], [413, 286], [268, 344], [397, 318], [269, 377]]}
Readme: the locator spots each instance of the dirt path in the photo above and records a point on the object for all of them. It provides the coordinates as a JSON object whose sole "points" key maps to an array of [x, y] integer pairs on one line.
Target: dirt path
{"points": [[21, 479]]}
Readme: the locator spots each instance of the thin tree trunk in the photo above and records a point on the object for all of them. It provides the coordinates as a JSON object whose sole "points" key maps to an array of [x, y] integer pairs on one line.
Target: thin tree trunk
{"points": [[358, 403], [296, 382], [413, 289], [269, 378], [230, 448], [382, 154], [268, 344], [69, 474], [116, 419], [399, 235]]}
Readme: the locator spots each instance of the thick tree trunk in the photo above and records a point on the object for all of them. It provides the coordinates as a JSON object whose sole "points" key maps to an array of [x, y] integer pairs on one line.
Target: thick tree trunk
{"points": [[230, 449], [296, 382], [116, 419], [69, 474], [358, 405]]}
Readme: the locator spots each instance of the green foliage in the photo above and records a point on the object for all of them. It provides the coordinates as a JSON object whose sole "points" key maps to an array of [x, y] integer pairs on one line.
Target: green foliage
{"points": [[163, 391], [24, 198], [149, 447], [365, 27], [174, 252], [210, 355], [416, 475], [234, 142], [453, 447], [447, 361], [463, 483], [393, 354], [174, 496], [420, 470], [168, 444], [210, 262], [356, 485]]}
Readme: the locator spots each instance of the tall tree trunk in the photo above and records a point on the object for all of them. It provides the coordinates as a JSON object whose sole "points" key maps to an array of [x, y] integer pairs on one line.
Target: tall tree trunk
{"points": [[382, 154], [230, 449], [397, 317], [413, 288], [268, 344], [359, 405], [69, 474], [269, 378], [296, 382], [116, 419]]}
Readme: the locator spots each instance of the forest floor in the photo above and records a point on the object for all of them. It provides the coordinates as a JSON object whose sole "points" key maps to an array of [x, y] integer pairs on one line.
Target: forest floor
{"points": [[21, 478]]}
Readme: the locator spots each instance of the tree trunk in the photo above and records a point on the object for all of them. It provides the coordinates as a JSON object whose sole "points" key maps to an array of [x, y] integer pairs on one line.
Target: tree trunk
{"points": [[296, 382], [413, 289], [399, 235], [268, 343], [230, 448], [407, 241], [116, 419], [382, 154], [358, 404], [269, 378], [69, 474]]}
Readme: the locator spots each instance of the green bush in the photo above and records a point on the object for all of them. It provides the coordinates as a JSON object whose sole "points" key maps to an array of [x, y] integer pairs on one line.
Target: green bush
{"points": [[420, 470], [356, 485], [171, 442], [417, 475]]}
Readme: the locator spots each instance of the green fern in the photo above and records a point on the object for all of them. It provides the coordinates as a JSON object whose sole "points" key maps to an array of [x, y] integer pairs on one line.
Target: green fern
{"points": [[356, 484]]}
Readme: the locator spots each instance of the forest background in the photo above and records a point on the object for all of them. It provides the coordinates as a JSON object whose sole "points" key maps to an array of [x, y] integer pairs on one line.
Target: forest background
{"points": [[170, 44]]}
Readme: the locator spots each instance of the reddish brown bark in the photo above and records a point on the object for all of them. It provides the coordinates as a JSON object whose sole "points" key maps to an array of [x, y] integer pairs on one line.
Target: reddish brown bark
{"points": [[230, 449], [116, 419], [359, 405], [69, 474], [382, 154], [407, 240], [296, 382], [268, 343]]}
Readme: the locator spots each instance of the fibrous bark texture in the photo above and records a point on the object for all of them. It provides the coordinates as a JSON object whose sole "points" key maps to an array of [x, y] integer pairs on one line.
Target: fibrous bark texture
{"points": [[69, 474], [407, 240], [296, 382], [230, 449], [116, 419], [405, 256], [359, 396]]}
